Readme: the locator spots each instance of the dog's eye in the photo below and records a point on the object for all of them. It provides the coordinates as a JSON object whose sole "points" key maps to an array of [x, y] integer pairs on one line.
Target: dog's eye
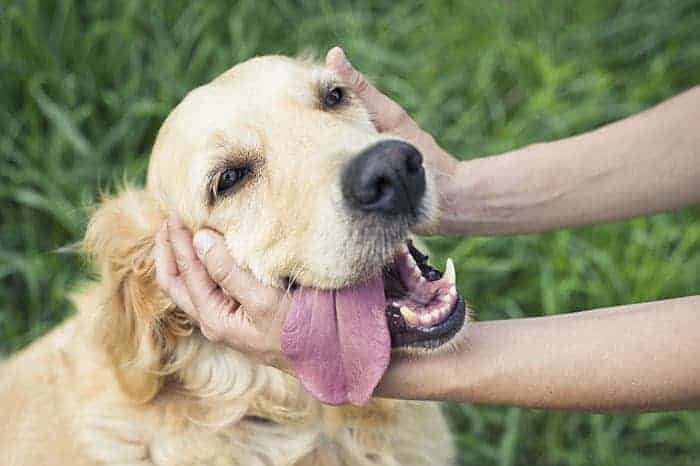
{"points": [[333, 97], [229, 178]]}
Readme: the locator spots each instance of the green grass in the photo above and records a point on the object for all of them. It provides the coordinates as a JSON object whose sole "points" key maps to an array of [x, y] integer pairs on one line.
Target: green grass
{"points": [[85, 85]]}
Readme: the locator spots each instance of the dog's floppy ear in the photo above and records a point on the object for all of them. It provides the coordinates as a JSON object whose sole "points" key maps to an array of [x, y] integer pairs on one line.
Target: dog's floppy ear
{"points": [[137, 323]]}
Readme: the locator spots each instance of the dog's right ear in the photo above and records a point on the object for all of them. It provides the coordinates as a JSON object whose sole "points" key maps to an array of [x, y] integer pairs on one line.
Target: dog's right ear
{"points": [[137, 324]]}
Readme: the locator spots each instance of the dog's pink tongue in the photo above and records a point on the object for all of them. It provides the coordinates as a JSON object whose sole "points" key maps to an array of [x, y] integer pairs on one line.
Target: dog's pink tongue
{"points": [[338, 341]]}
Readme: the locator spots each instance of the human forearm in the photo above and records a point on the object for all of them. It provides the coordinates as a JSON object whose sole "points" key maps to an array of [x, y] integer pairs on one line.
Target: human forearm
{"points": [[642, 357], [644, 164]]}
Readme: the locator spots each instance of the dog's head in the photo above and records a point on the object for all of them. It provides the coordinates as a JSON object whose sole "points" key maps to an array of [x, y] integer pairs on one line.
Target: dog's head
{"points": [[280, 157]]}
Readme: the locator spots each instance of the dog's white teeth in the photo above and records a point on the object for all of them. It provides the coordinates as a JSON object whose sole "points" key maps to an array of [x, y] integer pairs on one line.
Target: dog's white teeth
{"points": [[435, 316], [426, 320], [416, 273], [450, 276], [409, 316]]}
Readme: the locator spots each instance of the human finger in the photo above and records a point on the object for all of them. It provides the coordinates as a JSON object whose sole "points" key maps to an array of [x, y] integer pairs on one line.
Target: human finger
{"points": [[167, 276], [387, 114], [240, 284]]}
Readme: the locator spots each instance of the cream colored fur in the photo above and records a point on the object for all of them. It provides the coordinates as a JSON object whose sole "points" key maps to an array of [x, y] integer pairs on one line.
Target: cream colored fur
{"points": [[128, 380]]}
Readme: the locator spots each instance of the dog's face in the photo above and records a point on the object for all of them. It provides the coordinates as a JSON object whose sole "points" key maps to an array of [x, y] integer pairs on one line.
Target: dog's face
{"points": [[259, 155], [283, 160]]}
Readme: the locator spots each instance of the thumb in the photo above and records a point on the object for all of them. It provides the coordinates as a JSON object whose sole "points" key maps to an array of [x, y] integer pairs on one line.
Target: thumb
{"points": [[236, 282], [387, 114]]}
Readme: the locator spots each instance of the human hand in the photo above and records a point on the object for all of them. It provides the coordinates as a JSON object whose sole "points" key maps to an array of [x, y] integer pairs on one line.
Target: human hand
{"points": [[203, 280]]}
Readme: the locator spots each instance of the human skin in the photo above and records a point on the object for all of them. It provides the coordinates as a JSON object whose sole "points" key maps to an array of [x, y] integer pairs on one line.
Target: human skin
{"points": [[633, 358], [641, 357], [642, 165]]}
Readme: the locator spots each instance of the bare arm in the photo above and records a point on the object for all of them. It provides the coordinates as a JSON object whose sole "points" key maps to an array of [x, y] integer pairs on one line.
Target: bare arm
{"points": [[641, 357], [642, 165]]}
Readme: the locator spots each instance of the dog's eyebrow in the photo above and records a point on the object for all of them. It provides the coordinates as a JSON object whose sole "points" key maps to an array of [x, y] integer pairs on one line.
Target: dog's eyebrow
{"points": [[323, 80], [246, 139], [219, 140], [327, 82]]}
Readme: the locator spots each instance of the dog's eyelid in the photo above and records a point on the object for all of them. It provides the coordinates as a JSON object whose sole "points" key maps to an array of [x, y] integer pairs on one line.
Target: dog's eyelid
{"points": [[248, 165], [331, 85]]}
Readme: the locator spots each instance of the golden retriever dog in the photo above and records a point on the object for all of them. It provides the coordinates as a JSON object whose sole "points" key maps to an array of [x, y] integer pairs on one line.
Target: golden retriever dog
{"points": [[281, 158]]}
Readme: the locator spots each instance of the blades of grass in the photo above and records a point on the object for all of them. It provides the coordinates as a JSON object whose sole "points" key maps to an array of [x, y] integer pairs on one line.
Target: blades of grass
{"points": [[60, 118]]}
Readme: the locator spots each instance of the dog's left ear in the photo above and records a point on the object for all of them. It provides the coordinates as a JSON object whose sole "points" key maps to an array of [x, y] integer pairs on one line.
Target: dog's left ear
{"points": [[137, 324]]}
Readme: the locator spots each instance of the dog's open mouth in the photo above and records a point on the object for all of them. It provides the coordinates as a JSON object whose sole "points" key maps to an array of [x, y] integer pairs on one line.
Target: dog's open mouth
{"points": [[423, 307], [339, 341]]}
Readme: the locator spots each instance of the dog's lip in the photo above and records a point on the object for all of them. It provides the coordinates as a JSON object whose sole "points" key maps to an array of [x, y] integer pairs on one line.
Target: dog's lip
{"points": [[423, 307], [403, 336]]}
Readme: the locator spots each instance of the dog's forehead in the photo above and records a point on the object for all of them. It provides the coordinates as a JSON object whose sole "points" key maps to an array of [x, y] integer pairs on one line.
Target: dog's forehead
{"points": [[251, 91], [270, 71], [247, 95]]}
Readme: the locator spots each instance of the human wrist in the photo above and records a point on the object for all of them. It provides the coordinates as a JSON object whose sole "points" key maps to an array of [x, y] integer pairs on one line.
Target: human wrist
{"points": [[445, 375], [457, 199], [498, 194]]}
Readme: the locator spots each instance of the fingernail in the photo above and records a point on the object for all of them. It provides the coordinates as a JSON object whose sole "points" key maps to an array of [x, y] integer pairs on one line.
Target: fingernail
{"points": [[203, 242], [342, 60]]}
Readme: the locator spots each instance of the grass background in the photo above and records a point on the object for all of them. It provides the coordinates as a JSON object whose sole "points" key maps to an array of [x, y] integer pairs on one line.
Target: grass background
{"points": [[85, 84]]}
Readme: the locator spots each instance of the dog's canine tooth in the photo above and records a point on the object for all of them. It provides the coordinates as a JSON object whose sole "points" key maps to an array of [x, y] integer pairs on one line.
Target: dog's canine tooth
{"points": [[409, 316], [450, 275]]}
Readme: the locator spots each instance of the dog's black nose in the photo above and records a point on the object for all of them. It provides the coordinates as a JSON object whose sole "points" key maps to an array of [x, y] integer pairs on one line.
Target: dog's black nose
{"points": [[387, 178]]}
